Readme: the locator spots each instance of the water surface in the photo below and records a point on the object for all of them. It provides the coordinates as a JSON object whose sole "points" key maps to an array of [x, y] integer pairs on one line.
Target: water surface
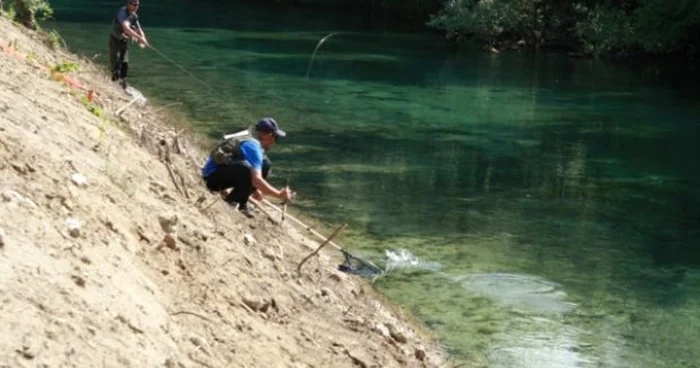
{"points": [[537, 211]]}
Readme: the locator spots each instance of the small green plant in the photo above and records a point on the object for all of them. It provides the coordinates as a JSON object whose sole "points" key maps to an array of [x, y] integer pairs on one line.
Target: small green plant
{"points": [[8, 13], [55, 40], [92, 107], [65, 67]]}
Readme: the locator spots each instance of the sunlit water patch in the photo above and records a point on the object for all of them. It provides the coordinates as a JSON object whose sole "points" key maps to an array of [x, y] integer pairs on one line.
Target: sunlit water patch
{"points": [[525, 293]]}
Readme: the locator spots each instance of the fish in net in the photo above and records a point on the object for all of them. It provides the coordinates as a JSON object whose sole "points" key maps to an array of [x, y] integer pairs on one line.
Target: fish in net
{"points": [[358, 266]]}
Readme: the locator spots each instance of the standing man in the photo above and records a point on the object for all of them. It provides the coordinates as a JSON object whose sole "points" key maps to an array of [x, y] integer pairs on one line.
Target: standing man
{"points": [[125, 27], [240, 163]]}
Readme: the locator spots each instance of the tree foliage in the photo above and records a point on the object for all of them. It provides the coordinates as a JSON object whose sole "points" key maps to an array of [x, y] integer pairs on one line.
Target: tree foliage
{"points": [[29, 12], [594, 27]]}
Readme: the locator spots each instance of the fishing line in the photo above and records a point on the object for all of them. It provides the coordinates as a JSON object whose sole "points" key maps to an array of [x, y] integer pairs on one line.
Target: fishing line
{"points": [[308, 69], [200, 80], [204, 83]]}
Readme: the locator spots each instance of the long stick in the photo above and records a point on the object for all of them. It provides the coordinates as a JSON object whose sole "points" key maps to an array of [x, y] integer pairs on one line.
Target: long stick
{"points": [[312, 231], [118, 112], [172, 177], [335, 233], [284, 205]]}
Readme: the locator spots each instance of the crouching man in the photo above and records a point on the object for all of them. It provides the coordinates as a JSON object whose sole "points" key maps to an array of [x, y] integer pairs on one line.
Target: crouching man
{"points": [[240, 163]]}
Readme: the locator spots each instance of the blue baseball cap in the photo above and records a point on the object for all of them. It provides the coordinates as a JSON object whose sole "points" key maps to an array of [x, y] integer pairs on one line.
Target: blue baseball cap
{"points": [[270, 125]]}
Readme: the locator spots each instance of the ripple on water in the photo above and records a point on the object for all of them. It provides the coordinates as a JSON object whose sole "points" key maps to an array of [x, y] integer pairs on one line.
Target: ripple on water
{"points": [[539, 351], [524, 293]]}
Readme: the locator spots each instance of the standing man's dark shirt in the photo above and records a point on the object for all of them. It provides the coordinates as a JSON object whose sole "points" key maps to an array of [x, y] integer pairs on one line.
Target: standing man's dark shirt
{"points": [[119, 18]]}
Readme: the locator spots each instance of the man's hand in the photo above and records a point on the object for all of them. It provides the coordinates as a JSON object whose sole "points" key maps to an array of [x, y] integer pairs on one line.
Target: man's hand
{"points": [[142, 41], [286, 194], [257, 195]]}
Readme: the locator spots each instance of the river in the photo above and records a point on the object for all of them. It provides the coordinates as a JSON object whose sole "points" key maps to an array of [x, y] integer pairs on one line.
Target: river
{"points": [[534, 210]]}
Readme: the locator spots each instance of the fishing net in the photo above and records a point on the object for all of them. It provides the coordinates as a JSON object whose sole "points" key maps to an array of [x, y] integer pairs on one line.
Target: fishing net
{"points": [[136, 94], [358, 266]]}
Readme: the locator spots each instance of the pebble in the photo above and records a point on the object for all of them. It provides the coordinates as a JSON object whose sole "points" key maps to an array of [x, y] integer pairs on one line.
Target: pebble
{"points": [[79, 180], [420, 352], [74, 226], [18, 167], [256, 304], [158, 186], [269, 254], [30, 347], [382, 330], [14, 197], [2, 238], [249, 239], [168, 222], [197, 341], [79, 280], [326, 292], [170, 241], [397, 335]]}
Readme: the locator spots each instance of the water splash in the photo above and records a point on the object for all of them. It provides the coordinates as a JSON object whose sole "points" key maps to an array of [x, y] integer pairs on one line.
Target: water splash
{"points": [[403, 258]]}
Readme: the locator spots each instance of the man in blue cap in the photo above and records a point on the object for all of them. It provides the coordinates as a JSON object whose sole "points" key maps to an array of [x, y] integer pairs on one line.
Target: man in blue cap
{"points": [[125, 27], [240, 163]]}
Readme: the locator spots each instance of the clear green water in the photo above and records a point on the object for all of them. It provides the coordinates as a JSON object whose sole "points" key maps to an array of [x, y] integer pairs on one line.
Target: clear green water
{"points": [[552, 205]]}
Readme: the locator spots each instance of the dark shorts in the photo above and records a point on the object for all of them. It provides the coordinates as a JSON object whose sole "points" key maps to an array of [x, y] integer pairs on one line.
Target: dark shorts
{"points": [[238, 177]]}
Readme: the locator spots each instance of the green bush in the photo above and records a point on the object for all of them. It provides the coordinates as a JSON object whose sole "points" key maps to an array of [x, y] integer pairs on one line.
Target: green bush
{"points": [[493, 20], [606, 29], [665, 26], [29, 12], [655, 26]]}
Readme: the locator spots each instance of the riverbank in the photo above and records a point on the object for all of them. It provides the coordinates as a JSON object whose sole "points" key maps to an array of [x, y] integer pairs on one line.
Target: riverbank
{"points": [[113, 254]]}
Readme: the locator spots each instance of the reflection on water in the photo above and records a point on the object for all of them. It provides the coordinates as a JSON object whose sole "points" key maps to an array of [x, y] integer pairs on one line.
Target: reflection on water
{"points": [[539, 183], [554, 348], [520, 292]]}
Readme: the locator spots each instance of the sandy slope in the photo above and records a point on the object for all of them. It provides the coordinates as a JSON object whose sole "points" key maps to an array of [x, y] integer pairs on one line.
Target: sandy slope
{"points": [[85, 280]]}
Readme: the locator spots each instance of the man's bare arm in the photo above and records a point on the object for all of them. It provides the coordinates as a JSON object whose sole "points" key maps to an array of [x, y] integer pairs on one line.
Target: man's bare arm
{"points": [[265, 188], [126, 28]]}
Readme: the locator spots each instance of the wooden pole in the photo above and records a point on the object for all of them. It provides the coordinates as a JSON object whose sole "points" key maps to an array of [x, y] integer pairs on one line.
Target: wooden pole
{"points": [[284, 205], [335, 233], [312, 231], [121, 109]]}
